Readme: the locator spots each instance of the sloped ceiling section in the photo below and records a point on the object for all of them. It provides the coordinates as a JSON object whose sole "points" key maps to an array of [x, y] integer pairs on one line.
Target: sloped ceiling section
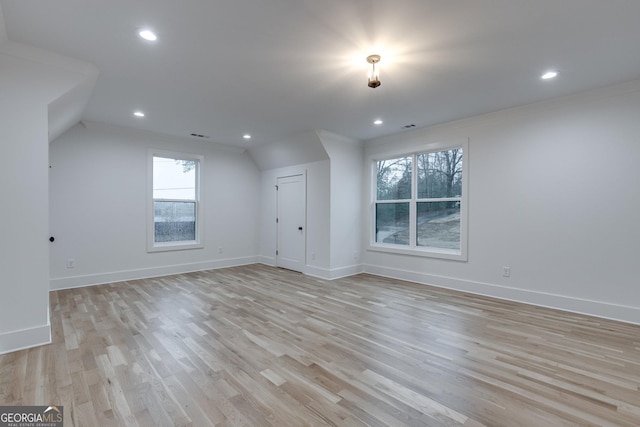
{"points": [[66, 111], [304, 147]]}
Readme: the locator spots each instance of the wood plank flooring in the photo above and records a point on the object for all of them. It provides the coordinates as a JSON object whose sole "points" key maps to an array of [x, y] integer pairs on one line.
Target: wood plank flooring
{"points": [[260, 346]]}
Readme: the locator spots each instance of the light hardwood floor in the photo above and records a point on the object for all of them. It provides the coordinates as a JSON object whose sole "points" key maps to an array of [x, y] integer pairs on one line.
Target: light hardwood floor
{"points": [[259, 346]]}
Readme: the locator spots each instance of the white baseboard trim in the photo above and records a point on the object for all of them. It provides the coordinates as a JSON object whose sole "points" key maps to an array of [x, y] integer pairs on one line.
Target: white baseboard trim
{"points": [[25, 338], [350, 270], [319, 272], [604, 310], [322, 273], [145, 273], [267, 260], [332, 274]]}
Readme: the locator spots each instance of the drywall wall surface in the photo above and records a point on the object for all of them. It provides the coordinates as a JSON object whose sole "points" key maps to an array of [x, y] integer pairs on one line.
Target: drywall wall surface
{"points": [[553, 195], [317, 215], [99, 200], [23, 223], [3, 27], [346, 157], [29, 81]]}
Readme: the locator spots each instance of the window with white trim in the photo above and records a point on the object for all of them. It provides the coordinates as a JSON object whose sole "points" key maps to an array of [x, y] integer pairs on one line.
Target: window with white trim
{"points": [[419, 203], [175, 210]]}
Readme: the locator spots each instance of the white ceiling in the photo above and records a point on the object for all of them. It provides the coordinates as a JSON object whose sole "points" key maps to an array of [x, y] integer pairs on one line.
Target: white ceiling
{"points": [[274, 68]]}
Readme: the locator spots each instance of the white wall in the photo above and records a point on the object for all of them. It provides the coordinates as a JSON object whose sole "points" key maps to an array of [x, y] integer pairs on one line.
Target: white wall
{"points": [[99, 207], [346, 203], [554, 194], [302, 153], [29, 82], [333, 237], [317, 244], [3, 28]]}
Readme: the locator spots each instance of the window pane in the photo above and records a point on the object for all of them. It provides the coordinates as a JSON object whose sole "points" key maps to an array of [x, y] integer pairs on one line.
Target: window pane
{"points": [[174, 179], [174, 221], [440, 174], [392, 223], [438, 225], [394, 179]]}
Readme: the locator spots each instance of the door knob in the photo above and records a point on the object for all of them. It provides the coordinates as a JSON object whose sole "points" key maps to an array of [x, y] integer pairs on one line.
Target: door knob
{"points": [[300, 228]]}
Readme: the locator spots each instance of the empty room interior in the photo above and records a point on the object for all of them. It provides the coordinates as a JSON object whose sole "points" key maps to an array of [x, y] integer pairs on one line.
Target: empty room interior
{"points": [[340, 212]]}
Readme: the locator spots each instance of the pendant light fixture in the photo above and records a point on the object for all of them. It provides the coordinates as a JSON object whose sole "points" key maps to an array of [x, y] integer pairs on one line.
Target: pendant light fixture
{"points": [[374, 74]]}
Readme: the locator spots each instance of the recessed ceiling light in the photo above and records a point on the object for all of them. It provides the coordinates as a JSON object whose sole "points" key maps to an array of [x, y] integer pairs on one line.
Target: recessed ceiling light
{"points": [[549, 75], [377, 122], [148, 35], [138, 113], [246, 136]]}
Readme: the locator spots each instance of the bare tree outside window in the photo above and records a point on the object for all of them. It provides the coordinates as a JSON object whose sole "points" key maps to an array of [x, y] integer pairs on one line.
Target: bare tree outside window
{"points": [[393, 179], [439, 196], [434, 204], [440, 174], [187, 165]]}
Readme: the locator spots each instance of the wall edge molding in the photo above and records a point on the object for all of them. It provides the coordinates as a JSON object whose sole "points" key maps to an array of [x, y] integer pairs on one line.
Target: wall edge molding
{"points": [[598, 309], [267, 260], [56, 284], [321, 273], [25, 338], [333, 273], [350, 270]]}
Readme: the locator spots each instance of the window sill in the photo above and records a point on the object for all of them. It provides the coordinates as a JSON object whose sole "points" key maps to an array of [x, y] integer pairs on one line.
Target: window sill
{"points": [[449, 254], [174, 246]]}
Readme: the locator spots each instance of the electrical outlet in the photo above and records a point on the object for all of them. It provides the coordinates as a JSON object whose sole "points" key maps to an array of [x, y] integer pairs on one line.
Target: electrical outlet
{"points": [[220, 250], [313, 256], [71, 263], [506, 271]]}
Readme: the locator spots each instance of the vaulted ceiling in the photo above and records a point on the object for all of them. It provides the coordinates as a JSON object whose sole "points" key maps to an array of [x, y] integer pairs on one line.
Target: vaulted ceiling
{"points": [[273, 68]]}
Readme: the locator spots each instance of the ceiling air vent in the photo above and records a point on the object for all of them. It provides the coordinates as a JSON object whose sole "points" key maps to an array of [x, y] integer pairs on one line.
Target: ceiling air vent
{"points": [[197, 135], [408, 126]]}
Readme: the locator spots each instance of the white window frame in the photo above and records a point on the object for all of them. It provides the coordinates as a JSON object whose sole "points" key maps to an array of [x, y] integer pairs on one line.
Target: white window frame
{"points": [[412, 248], [198, 243]]}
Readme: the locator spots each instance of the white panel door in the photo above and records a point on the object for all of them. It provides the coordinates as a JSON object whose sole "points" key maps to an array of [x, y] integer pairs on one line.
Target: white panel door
{"points": [[291, 207]]}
